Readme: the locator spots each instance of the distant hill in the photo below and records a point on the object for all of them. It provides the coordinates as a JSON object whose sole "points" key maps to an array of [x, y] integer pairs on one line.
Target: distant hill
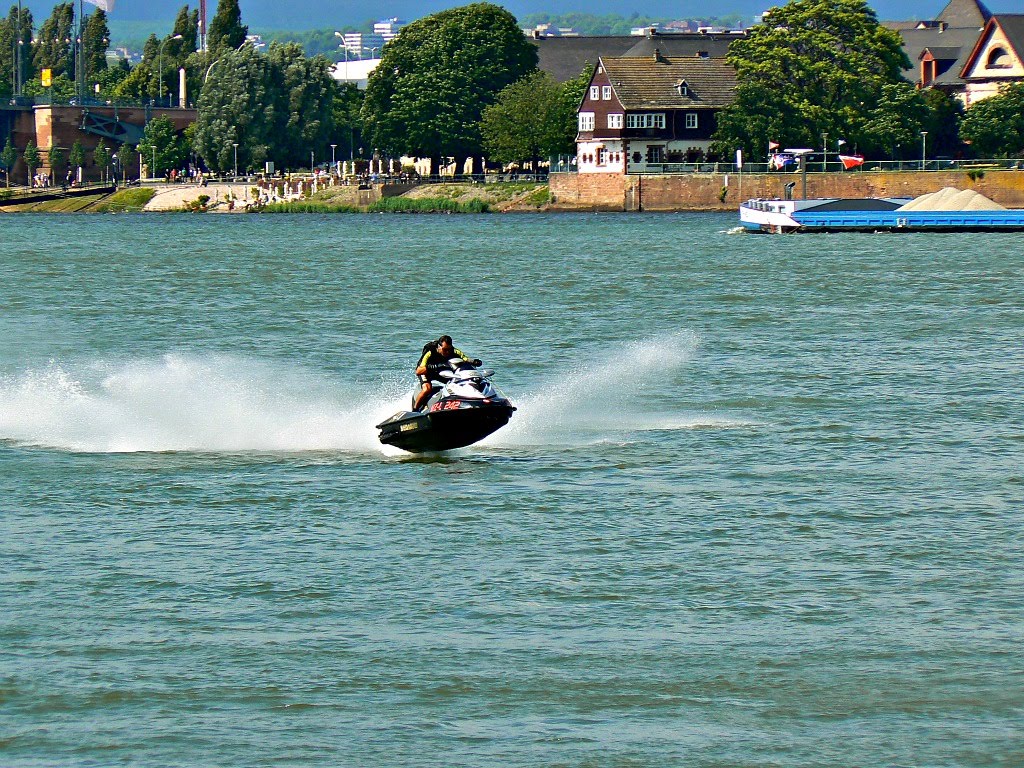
{"points": [[312, 14]]}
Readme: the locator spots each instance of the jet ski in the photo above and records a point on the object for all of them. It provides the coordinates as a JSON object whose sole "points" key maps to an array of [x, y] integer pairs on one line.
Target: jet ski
{"points": [[464, 408]]}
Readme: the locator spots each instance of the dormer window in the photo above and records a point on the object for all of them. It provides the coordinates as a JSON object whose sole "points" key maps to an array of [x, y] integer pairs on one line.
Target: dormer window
{"points": [[999, 59], [683, 88]]}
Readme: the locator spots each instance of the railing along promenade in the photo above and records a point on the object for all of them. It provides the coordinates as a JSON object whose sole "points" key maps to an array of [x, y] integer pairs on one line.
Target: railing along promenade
{"points": [[568, 165]]}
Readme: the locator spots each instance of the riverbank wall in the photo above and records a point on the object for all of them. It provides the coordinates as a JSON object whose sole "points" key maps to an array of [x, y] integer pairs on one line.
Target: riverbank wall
{"points": [[724, 192]]}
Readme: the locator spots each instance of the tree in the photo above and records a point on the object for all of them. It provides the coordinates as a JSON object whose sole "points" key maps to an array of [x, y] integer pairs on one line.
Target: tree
{"points": [[8, 157], [437, 76], [226, 30], [235, 107], [76, 157], [896, 121], [95, 41], [162, 145], [348, 127], [943, 122], [31, 158], [275, 107], [303, 93], [101, 156], [995, 126], [129, 159], [813, 67], [7, 48], [528, 120], [58, 160], [55, 50], [187, 25]]}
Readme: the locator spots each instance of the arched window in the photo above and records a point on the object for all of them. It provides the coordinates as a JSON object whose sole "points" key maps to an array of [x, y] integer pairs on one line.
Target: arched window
{"points": [[998, 58]]}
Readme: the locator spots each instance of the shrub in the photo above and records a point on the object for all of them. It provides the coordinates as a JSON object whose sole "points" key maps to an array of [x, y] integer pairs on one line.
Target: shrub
{"points": [[310, 206], [428, 205]]}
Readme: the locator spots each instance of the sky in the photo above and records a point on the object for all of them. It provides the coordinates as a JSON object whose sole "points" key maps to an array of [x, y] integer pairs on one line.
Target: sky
{"points": [[318, 14]]}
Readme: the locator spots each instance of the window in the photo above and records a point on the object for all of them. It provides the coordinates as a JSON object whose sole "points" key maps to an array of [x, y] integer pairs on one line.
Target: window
{"points": [[691, 120], [606, 92], [646, 120], [654, 155], [586, 121], [595, 92], [602, 154], [615, 121], [682, 88], [999, 59]]}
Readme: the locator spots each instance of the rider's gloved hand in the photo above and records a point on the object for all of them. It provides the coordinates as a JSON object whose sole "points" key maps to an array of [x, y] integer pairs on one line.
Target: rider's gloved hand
{"points": [[476, 362]]}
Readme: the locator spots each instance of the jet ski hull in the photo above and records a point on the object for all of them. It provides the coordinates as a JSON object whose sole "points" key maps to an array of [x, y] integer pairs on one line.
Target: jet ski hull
{"points": [[443, 429]]}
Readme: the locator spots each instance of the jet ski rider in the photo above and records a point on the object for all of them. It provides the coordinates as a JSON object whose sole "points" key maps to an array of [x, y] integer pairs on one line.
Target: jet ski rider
{"points": [[436, 355]]}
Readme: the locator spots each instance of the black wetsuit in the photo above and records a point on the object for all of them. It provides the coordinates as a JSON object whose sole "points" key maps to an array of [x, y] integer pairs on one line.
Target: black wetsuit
{"points": [[435, 361]]}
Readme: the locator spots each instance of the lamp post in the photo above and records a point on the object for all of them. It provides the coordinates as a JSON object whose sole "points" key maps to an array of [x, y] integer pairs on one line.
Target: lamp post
{"points": [[217, 61], [333, 161], [343, 45], [824, 152], [924, 137], [311, 169], [235, 145], [152, 168], [160, 73]]}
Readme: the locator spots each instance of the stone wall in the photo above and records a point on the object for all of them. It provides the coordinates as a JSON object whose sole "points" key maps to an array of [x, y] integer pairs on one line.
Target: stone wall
{"points": [[702, 192]]}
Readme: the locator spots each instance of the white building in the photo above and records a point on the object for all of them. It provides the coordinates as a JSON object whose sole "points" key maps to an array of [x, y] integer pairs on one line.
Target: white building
{"points": [[355, 71], [361, 44], [388, 28]]}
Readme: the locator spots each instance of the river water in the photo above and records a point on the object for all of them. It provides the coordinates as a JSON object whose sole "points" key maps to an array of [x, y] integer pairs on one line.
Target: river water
{"points": [[761, 505]]}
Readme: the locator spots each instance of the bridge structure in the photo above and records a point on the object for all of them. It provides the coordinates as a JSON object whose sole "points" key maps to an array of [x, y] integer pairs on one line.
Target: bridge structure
{"points": [[51, 126]]}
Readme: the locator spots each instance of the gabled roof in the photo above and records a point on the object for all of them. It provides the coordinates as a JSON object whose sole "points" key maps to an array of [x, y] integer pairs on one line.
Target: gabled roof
{"points": [[965, 13], [956, 44], [715, 46], [646, 82], [940, 53], [565, 57], [1012, 26]]}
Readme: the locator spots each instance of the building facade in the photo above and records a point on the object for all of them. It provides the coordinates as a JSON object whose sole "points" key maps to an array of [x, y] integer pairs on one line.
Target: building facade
{"points": [[644, 114]]}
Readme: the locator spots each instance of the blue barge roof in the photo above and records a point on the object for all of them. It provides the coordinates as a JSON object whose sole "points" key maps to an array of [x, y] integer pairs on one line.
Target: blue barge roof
{"points": [[871, 221]]}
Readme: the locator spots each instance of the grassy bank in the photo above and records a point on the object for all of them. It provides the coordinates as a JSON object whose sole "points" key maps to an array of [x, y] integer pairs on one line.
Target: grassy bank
{"points": [[125, 200]]}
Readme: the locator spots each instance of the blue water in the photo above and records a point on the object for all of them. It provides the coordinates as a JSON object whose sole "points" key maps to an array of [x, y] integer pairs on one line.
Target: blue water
{"points": [[761, 505]]}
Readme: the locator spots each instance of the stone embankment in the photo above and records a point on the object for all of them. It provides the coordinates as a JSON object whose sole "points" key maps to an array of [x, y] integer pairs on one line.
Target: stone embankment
{"points": [[174, 197], [724, 192]]}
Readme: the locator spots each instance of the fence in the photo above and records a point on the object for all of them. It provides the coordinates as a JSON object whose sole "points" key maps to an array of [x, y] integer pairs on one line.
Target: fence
{"points": [[567, 164]]}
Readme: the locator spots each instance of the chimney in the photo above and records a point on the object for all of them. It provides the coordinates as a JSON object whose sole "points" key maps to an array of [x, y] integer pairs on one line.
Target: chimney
{"points": [[658, 58]]}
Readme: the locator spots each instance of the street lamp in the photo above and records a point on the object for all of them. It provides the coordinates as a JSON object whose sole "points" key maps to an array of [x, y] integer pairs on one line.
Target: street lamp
{"points": [[311, 169], [924, 136], [235, 145], [160, 73], [824, 152], [333, 162], [217, 61], [345, 46]]}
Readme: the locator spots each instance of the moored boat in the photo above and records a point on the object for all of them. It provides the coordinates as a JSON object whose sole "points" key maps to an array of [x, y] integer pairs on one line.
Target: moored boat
{"points": [[936, 212]]}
